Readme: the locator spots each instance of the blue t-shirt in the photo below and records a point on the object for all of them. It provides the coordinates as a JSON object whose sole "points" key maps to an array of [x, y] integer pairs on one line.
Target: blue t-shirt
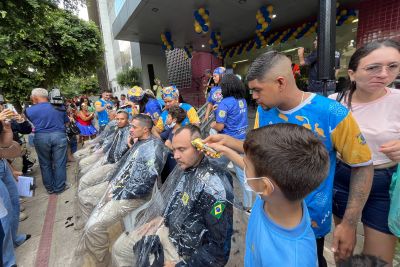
{"points": [[232, 113], [103, 115], [46, 118], [338, 130], [269, 244], [153, 108], [215, 95]]}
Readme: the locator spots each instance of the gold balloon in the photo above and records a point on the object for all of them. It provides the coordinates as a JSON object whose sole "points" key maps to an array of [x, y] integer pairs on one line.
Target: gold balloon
{"points": [[202, 11]]}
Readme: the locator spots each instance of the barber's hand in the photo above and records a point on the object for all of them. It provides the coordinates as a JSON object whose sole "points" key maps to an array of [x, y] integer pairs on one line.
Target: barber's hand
{"points": [[300, 51], [215, 107], [169, 264], [219, 148], [344, 241], [206, 118], [392, 150], [221, 139]]}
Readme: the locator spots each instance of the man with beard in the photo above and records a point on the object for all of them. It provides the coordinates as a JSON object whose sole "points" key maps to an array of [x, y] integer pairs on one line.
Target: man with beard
{"points": [[190, 223]]}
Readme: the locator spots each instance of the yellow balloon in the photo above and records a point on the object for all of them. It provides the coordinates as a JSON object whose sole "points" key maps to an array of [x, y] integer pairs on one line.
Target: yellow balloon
{"points": [[169, 47], [270, 8], [210, 41], [343, 12], [198, 29], [261, 20], [202, 11], [265, 25], [206, 17]]}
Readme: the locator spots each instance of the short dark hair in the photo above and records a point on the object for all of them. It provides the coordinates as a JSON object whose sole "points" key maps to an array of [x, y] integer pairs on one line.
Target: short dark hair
{"points": [[123, 95], [177, 113], [263, 64], [290, 155], [106, 91], [145, 120], [121, 111], [194, 130], [362, 261], [231, 85]]}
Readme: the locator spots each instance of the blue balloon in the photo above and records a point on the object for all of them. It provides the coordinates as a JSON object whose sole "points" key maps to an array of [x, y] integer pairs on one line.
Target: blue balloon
{"points": [[207, 12], [259, 27], [168, 35], [201, 21], [265, 13], [205, 28]]}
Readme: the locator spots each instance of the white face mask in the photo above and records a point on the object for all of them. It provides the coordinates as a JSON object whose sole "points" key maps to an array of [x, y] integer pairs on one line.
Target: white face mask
{"points": [[248, 187], [172, 124]]}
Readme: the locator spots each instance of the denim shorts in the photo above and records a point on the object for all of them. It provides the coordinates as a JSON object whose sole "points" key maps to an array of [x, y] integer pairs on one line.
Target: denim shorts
{"points": [[376, 210]]}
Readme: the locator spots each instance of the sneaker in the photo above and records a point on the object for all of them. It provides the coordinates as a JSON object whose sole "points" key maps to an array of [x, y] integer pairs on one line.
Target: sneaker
{"points": [[22, 216]]}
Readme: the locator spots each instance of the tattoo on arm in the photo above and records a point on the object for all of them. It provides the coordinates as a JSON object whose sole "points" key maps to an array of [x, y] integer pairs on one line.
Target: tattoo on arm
{"points": [[360, 186]]}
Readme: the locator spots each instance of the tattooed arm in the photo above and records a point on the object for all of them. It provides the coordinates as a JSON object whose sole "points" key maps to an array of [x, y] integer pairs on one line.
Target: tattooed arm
{"points": [[360, 186], [344, 236]]}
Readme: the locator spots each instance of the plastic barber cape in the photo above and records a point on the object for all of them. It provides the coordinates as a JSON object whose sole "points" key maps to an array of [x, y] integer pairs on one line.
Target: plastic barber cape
{"points": [[197, 206], [119, 145], [139, 169]]}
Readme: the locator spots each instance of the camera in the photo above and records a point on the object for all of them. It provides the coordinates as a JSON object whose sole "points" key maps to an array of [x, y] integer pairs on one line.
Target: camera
{"points": [[55, 97]]}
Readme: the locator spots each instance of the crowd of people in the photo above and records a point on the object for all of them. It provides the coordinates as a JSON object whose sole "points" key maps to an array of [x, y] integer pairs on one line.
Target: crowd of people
{"points": [[147, 164]]}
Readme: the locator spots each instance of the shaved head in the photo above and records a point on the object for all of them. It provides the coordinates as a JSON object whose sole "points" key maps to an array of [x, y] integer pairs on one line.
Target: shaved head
{"points": [[271, 79], [269, 66]]}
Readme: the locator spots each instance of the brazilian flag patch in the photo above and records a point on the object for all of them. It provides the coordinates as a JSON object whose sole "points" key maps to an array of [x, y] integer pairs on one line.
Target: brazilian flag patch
{"points": [[185, 198], [217, 209]]}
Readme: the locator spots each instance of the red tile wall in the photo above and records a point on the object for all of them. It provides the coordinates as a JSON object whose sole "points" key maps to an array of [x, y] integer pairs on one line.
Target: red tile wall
{"points": [[378, 20], [200, 62]]}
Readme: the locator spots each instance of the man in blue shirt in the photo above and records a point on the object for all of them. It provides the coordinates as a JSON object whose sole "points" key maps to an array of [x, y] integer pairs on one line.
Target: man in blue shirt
{"points": [[50, 140], [102, 106], [280, 101]]}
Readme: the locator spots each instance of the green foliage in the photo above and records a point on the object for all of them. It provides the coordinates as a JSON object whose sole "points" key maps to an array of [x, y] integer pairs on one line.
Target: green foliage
{"points": [[41, 45], [75, 86], [130, 77]]}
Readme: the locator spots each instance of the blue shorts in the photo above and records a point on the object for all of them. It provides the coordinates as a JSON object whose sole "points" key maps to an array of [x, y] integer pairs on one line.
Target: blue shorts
{"points": [[376, 210]]}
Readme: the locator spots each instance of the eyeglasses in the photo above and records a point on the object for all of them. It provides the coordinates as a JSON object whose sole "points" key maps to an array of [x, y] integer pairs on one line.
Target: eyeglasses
{"points": [[376, 69]]}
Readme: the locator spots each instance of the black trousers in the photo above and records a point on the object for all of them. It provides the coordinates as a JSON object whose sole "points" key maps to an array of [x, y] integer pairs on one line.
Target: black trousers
{"points": [[320, 252]]}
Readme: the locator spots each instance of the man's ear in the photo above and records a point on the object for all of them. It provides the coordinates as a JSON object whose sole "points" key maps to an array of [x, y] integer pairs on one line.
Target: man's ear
{"points": [[282, 82]]}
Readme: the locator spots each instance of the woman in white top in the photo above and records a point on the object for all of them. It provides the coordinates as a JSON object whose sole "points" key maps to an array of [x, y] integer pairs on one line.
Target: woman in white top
{"points": [[377, 111]]}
